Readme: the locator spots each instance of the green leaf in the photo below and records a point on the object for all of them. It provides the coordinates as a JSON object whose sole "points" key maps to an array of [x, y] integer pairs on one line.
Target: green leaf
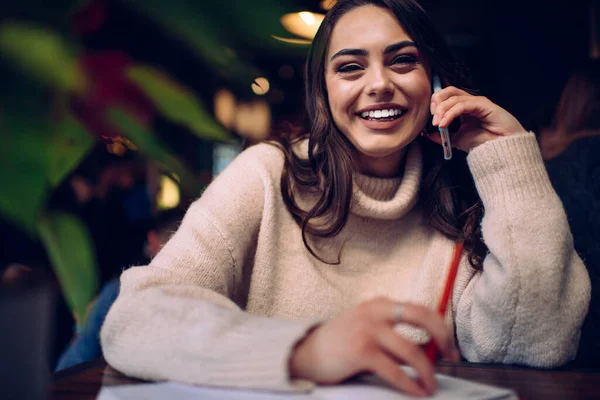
{"points": [[70, 249], [70, 144], [149, 144], [42, 54], [24, 131], [23, 177], [192, 23], [177, 103]]}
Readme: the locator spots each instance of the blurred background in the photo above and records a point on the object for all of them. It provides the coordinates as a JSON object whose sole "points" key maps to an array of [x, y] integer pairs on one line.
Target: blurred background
{"points": [[116, 112]]}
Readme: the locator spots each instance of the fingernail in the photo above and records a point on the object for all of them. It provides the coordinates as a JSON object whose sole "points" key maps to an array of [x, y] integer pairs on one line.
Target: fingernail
{"points": [[442, 122], [432, 108], [435, 118]]}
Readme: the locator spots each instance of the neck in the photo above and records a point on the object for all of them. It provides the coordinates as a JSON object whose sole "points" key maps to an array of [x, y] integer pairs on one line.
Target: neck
{"points": [[383, 167]]}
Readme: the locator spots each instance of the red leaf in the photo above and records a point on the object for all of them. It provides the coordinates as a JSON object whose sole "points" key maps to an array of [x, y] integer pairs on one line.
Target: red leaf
{"points": [[110, 87], [105, 64]]}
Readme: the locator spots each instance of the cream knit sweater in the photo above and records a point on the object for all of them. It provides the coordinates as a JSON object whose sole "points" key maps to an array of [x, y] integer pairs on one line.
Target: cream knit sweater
{"points": [[234, 289]]}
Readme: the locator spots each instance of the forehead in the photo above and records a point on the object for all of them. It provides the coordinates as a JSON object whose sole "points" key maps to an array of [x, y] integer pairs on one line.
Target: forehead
{"points": [[366, 27]]}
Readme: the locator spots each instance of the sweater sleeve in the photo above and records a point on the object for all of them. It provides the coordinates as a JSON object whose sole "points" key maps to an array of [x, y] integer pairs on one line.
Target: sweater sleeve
{"points": [[180, 318], [529, 302]]}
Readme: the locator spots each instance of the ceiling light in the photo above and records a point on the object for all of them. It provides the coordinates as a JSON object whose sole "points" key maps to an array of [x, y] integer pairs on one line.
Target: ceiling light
{"points": [[327, 4], [304, 24], [292, 40], [260, 86], [224, 105]]}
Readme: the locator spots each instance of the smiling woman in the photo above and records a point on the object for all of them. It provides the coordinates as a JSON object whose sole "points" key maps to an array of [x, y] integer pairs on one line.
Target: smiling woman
{"points": [[324, 255], [374, 78]]}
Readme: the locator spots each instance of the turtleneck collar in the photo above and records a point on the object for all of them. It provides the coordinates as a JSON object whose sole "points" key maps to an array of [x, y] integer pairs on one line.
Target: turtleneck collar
{"points": [[389, 198]]}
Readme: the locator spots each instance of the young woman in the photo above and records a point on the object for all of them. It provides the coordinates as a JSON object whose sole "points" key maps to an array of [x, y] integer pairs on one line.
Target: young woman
{"points": [[318, 259]]}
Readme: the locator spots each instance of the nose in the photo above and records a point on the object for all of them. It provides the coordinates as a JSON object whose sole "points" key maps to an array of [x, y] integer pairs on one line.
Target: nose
{"points": [[379, 83]]}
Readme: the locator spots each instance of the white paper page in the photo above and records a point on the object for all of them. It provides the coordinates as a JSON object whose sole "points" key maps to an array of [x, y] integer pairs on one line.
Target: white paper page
{"points": [[177, 391], [371, 388], [449, 388]]}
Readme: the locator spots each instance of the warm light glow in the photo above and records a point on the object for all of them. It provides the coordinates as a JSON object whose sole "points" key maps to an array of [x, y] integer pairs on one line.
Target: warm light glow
{"points": [[224, 105], [291, 40], [168, 195], [116, 148], [260, 86], [327, 4], [307, 17], [253, 120], [304, 24]]}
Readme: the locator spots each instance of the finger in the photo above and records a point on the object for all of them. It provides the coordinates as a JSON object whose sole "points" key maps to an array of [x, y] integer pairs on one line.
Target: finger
{"points": [[429, 320], [445, 105], [384, 367], [474, 106], [444, 94], [404, 350]]}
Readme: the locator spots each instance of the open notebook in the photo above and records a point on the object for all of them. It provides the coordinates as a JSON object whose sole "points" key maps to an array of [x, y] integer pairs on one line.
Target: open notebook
{"points": [[371, 388]]}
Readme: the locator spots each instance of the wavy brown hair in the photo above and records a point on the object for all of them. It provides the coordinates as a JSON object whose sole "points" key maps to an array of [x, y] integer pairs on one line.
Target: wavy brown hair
{"points": [[450, 201]]}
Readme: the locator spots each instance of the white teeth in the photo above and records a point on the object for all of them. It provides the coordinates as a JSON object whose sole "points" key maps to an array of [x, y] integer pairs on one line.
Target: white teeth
{"points": [[392, 112]]}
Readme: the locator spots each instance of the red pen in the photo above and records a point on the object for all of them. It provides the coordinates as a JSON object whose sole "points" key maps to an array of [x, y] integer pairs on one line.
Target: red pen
{"points": [[431, 350]]}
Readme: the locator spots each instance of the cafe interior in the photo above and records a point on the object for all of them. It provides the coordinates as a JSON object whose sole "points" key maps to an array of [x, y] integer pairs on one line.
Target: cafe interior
{"points": [[95, 180]]}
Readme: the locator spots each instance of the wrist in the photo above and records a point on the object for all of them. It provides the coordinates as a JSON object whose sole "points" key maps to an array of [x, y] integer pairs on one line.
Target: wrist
{"points": [[300, 356]]}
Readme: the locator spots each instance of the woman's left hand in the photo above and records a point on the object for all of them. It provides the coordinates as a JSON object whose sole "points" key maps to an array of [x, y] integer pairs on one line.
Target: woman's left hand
{"points": [[481, 120]]}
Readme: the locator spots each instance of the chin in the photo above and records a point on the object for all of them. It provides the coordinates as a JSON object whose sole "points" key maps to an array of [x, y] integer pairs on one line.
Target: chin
{"points": [[383, 146]]}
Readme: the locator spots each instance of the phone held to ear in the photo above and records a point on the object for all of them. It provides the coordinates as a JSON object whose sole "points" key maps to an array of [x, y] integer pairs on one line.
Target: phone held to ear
{"points": [[444, 135]]}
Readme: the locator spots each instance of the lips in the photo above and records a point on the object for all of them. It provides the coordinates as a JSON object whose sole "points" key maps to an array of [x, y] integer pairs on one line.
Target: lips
{"points": [[382, 117]]}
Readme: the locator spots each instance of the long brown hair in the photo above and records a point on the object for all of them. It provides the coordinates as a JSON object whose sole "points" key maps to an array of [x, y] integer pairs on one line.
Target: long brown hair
{"points": [[578, 112], [448, 195]]}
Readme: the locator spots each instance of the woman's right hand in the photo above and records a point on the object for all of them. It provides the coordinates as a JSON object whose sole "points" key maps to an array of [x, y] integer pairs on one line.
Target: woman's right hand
{"points": [[363, 340]]}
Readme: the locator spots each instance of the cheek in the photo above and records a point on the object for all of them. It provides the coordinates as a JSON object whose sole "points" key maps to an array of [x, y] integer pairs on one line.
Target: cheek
{"points": [[341, 97]]}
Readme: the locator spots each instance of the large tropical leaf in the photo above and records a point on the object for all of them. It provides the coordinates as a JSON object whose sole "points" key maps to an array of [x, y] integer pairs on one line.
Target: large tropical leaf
{"points": [[149, 144], [42, 54], [71, 252], [69, 144], [24, 130], [177, 103], [193, 25], [22, 171], [220, 32]]}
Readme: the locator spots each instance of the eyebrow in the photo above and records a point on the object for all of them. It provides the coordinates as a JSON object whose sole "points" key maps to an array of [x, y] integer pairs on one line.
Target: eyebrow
{"points": [[362, 52]]}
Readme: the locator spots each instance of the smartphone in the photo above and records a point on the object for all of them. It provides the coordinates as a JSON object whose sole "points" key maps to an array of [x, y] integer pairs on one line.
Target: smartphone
{"points": [[444, 135]]}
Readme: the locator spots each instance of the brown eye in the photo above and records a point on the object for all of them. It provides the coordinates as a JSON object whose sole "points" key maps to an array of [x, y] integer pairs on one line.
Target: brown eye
{"points": [[405, 59], [349, 68]]}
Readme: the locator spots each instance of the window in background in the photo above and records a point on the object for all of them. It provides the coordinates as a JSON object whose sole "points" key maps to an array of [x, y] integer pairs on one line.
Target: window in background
{"points": [[223, 154]]}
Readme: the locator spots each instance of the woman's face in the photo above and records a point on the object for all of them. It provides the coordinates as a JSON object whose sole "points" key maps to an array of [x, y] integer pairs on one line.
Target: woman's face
{"points": [[378, 87]]}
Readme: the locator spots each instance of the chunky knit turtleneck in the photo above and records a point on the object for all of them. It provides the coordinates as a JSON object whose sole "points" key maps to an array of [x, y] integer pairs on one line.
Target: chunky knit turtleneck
{"points": [[389, 198], [230, 294]]}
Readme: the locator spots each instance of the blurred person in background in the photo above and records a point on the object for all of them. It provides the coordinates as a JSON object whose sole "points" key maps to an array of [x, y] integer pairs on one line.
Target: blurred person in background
{"points": [[571, 148], [85, 345], [325, 255]]}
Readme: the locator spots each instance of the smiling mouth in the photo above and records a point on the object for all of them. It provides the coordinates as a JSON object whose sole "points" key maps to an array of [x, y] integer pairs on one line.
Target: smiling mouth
{"points": [[382, 115]]}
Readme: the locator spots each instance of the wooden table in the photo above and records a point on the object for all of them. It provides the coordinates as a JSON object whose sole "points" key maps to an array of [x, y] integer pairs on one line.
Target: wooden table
{"points": [[84, 381]]}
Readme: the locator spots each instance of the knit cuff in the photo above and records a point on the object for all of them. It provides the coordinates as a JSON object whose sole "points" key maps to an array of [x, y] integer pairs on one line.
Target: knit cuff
{"points": [[508, 169], [263, 360]]}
